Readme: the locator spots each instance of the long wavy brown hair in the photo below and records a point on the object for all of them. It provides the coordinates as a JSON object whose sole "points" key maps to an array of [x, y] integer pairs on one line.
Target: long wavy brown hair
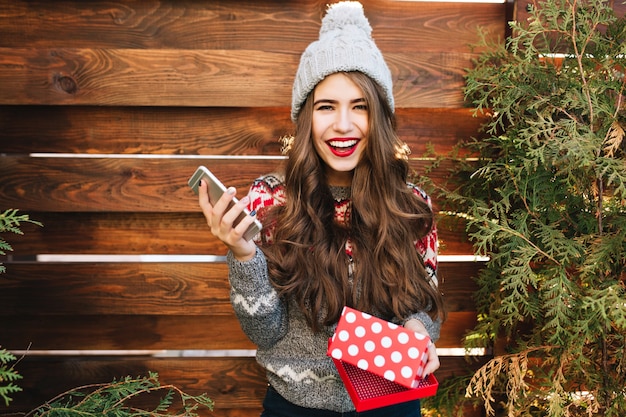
{"points": [[307, 258]]}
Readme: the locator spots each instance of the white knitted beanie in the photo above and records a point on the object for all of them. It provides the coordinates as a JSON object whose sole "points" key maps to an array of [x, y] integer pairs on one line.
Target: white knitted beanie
{"points": [[345, 44]]}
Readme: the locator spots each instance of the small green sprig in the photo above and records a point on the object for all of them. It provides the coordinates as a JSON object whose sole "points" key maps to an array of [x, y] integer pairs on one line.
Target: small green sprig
{"points": [[10, 222], [120, 398], [8, 376]]}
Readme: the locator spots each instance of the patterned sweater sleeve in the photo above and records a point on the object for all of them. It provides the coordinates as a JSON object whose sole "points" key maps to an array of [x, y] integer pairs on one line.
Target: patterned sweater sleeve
{"points": [[428, 248], [261, 312]]}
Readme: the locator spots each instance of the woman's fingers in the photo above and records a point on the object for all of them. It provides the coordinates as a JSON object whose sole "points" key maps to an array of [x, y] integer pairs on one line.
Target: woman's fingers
{"points": [[432, 363], [221, 217]]}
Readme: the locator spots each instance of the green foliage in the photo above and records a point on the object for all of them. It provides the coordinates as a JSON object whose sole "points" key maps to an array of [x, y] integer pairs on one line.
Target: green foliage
{"points": [[546, 202], [10, 221], [7, 376], [119, 399]]}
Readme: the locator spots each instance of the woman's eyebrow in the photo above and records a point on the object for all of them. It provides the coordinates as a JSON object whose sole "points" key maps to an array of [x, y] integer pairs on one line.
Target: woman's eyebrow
{"points": [[324, 100], [328, 100]]}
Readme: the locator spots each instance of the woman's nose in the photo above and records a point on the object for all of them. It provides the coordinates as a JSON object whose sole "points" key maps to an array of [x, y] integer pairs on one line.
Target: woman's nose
{"points": [[343, 122]]}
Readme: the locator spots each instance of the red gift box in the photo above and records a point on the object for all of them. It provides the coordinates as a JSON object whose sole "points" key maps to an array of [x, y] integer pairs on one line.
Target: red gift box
{"points": [[380, 362], [369, 391]]}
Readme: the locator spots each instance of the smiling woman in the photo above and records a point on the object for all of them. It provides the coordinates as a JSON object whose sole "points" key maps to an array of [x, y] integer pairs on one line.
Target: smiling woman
{"points": [[343, 227]]}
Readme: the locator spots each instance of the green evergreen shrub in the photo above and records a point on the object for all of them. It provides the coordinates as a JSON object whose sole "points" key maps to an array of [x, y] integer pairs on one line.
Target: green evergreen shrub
{"points": [[546, 203], [10, 221]]}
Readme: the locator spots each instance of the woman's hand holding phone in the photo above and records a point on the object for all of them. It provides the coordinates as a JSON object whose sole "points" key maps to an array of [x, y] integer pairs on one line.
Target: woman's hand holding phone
{"points": [[220, 220]]}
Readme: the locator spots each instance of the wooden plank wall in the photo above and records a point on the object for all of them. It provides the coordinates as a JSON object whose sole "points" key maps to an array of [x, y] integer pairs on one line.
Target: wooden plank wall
{"points": [[106, 109]]}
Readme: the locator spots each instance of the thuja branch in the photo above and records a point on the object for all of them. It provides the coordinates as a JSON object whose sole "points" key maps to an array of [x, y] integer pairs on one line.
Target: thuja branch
{"points": [[579, 59], [515, 366], [112, 399], [510, 231]]}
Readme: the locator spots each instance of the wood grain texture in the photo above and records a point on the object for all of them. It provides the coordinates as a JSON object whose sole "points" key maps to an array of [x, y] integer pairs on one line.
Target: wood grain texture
{"points": [[102, 288], [119, 184], [235, 384], [151, 234], [98, 332], [116, 184], [230, 382], [172, 24], [217, 78], [198, 131], [155, 288], [194, 54], [123, 332]]}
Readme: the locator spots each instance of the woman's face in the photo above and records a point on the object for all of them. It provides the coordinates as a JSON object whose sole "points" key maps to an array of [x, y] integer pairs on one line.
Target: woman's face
{"points": [[340, 126]]}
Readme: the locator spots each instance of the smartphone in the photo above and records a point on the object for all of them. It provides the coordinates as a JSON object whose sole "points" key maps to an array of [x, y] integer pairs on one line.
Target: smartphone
{"points": [[216, 189]]}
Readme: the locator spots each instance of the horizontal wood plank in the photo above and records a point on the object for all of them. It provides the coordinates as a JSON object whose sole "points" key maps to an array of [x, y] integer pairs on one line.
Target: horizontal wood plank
{"points": [[123, 332], [134, 184], [102, 288], [157, 332], [158, 77], [151, 234], [457, 284], [235, 384], [198, 131], [116, 184], [221, 78], [262, 25], [155, 288]]}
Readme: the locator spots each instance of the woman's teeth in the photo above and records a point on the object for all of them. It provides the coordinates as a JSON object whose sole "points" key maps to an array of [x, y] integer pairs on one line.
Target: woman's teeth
{"points": [[342, 143]]}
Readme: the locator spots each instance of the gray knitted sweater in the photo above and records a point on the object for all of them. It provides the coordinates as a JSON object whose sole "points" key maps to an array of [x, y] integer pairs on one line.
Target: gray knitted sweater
{"points": [[293, 355]]}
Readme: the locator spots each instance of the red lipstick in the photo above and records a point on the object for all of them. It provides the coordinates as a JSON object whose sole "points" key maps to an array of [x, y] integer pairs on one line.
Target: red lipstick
{"points": [[342, 147]]}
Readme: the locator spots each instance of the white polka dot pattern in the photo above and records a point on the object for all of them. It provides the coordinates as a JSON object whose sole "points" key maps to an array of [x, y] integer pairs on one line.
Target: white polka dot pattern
{"points": [[380, 347]]}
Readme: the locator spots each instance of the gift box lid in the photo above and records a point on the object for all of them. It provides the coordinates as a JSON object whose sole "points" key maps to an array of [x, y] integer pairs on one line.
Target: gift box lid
{"points": [[379, 347]]}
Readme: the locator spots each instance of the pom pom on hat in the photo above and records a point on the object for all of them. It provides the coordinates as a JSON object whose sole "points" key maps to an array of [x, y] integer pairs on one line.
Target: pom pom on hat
{"points": [[341, 15], [345, 44]]}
